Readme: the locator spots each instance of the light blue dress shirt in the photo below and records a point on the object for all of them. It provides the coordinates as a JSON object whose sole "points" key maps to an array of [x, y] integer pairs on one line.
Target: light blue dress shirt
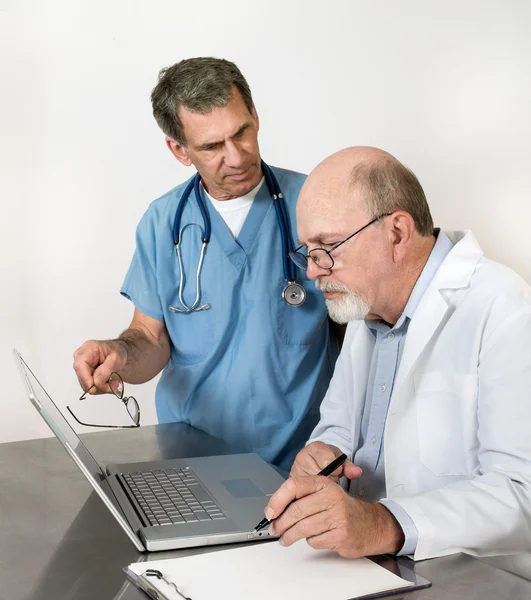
{"points": [[388, 347], [251, 370]]}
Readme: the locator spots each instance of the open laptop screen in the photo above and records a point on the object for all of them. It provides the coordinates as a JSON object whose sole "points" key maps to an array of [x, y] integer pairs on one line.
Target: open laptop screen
{"points": [[55, 420]]}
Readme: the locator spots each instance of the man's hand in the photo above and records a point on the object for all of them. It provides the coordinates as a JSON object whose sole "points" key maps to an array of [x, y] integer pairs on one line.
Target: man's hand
{"points": [[94, 362], [140, 353], [330, 519], [316, 456]]}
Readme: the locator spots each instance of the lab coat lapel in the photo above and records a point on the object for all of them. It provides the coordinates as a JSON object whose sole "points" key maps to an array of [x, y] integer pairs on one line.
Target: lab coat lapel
{"points": [[427, 318], [454, 273]]}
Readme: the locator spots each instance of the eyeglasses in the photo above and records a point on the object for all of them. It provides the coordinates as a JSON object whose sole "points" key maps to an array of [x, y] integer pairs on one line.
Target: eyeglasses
{"points": [[116, 385], [321, 257]]}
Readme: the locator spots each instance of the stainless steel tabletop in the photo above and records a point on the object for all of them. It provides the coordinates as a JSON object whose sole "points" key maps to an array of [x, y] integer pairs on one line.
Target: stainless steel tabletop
{"points": [[59, 542]]}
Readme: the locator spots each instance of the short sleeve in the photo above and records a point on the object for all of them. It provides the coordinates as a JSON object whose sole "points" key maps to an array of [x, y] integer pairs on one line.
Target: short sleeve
{"points": [[140, 284]]}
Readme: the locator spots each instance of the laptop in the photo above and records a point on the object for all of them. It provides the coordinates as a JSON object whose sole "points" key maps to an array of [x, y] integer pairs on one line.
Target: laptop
{"points": [[169, 504]]}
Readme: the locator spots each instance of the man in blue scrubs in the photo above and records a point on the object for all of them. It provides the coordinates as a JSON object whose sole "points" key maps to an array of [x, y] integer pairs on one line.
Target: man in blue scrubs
{"points": [[249, 369]]}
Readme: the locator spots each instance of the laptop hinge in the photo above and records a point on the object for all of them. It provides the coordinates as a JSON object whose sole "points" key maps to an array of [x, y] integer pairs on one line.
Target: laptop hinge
{"points": [[134, 503]]}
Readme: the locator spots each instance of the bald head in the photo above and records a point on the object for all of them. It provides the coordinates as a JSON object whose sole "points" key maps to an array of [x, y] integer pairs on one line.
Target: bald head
{"points": [[330, 182], [344, 160], [366, 180]]}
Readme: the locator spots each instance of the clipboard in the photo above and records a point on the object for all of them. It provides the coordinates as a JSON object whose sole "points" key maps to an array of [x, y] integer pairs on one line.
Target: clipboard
{"points": [[146, 582], [404, 570], [245, 574]]}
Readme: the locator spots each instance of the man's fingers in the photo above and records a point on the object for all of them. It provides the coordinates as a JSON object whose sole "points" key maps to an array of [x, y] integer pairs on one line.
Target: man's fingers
{"points": [[347, 469], [292, 489], [86, 360], [102, 374], [328, 540], [312, 526], [84, 374], [305, 462], [93, 381], [307, 465], [314, 458], [305, 507], [94, 362]]}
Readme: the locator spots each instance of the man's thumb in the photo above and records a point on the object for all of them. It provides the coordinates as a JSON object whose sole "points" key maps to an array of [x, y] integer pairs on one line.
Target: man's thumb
{"points": [[351, 471]]}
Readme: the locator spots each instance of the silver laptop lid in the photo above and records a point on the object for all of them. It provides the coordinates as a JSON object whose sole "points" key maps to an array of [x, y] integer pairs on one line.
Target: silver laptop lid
{"points": [[72, 444]]}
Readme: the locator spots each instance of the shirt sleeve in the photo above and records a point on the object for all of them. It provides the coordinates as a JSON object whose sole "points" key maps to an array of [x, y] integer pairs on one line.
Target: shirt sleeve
{"points": [[411, 533], [140, 284], [334, 426]]}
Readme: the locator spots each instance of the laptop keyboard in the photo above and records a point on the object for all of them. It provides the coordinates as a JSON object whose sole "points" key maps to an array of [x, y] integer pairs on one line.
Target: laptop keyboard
{"points": [[172, 496]]}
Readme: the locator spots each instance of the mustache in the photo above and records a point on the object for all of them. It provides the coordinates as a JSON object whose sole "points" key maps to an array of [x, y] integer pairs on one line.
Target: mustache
{"points": [[328, 286], [240, 170]]}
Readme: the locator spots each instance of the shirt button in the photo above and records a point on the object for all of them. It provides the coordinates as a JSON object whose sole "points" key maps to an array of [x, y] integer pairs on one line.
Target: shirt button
{"points": [[391, 336], [383, 387], [373, 441], [361, 492]]}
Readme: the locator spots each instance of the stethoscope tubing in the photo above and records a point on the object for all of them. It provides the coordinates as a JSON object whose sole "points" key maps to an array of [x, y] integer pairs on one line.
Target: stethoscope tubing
{"points": [[283, 222], [194, 184]]}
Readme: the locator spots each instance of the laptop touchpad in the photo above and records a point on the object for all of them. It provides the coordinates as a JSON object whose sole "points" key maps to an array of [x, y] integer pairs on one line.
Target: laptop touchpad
{"points": [[242, 488]]}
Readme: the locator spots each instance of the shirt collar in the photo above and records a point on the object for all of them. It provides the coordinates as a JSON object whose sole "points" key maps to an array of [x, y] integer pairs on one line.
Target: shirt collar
{"points": [[437, 255], [439, 252]]}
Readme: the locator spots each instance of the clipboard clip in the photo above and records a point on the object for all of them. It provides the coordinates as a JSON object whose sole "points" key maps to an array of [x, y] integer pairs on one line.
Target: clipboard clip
{"points": [[159, 575]]}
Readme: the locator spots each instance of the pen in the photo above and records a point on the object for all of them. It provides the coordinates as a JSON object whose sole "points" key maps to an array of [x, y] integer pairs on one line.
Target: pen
{"points": [[328, 470]]}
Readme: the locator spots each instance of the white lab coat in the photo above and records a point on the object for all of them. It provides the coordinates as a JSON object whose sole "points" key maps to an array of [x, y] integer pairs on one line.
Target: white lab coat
{"points": [[457, 441]]}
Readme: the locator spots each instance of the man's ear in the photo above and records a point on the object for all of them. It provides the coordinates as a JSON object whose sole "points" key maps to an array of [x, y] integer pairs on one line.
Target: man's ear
{"points": [[179, 151], [401, 232], [254, 114]]}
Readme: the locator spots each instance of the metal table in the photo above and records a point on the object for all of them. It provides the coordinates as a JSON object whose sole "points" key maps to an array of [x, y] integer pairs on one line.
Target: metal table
{"points": [[58, 542]]}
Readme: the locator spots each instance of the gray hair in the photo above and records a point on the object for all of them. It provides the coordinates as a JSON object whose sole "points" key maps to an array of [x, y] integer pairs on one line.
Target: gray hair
{"points": [[390, 186], [200, 85]]}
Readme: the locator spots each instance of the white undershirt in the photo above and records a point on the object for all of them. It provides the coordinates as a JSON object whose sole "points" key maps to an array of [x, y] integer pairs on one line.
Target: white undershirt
{"points": [[234, 212]]}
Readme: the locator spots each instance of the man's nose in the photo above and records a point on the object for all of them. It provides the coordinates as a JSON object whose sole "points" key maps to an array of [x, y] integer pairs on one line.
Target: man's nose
{"points": [[234, 155], [313, 270]]}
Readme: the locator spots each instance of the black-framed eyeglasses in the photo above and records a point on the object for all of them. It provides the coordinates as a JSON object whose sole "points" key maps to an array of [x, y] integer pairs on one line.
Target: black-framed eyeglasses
{"points": [[321, 257], [116, 386]]}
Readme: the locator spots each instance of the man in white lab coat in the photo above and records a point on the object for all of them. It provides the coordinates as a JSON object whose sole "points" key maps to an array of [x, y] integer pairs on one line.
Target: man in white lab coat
{"points": [[431, 395]]}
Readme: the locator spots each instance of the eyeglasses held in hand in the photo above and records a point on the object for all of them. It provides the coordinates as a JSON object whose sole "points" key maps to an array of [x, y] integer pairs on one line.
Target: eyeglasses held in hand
{"points": [[116, 386]]}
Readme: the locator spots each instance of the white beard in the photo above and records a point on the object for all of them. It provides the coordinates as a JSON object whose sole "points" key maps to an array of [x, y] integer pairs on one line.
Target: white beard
{"points": [[351, 307]]}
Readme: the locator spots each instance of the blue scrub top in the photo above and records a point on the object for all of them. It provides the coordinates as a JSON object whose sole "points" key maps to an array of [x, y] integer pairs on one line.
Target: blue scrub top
{"points": [[250, 370]]}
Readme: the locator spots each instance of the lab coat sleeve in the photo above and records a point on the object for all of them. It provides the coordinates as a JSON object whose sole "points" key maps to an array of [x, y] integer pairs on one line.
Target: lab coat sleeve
{"points": [[335, 424], [140, 283], [411, 535], [490, 513]]}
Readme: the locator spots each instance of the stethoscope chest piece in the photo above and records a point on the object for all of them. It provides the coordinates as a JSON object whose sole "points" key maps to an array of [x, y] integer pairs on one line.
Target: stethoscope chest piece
{"points": [[294, 294]]}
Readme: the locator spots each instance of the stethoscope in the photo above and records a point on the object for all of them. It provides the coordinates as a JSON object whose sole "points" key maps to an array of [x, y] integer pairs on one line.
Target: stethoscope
{"points": [[293, 293]]}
